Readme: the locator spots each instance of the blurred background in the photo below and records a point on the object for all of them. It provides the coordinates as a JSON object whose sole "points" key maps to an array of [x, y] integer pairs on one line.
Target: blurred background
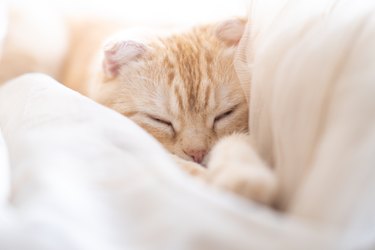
{"points": [[35, 37], [147, 11]]}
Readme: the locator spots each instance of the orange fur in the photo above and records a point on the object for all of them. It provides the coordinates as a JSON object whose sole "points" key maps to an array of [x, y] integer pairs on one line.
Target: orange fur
{"points": [[185, 79], [180, 87]]}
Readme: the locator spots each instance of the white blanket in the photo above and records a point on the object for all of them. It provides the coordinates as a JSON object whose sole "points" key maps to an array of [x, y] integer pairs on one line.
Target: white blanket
{"points": [[313, 102], [85, 177]]}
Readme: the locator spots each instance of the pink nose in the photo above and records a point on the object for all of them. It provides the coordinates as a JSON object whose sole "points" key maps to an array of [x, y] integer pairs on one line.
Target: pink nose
{"points": [[196, 155]]}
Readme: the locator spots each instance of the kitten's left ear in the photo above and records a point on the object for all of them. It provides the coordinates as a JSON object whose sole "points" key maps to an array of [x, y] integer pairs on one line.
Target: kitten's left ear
{"points": [[231, 31], [120, 53]]}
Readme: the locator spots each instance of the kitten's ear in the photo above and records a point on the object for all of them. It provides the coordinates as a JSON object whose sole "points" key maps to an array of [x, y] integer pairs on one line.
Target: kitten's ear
{"points": [[231, 31], [119, 53]]}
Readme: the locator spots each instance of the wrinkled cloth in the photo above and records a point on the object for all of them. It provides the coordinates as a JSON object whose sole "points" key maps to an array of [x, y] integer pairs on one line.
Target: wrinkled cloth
{"points": [[308, 67], [85, 177]]}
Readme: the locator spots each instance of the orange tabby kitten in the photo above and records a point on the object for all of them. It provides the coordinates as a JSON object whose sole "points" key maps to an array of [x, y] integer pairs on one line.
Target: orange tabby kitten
{"points": [[183, 89]]}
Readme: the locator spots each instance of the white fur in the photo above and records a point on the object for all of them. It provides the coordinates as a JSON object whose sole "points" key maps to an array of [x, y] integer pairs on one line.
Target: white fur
{"points": [[234, 165]]}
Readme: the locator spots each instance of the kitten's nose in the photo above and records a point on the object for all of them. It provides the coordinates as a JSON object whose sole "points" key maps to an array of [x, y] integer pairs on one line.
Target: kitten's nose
{"points": [[197, 155]]}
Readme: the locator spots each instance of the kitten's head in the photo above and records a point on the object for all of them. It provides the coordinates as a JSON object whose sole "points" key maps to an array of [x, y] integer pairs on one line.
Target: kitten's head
{"points": [[181, 88]]}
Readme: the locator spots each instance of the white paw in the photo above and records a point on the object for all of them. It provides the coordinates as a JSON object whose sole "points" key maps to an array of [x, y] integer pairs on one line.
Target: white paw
{"points": [[236, 167], [251, 182]]}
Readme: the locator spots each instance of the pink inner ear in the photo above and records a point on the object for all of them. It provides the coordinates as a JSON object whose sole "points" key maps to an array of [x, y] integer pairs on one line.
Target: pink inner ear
{"points": [[231, 31], [119, 53]]}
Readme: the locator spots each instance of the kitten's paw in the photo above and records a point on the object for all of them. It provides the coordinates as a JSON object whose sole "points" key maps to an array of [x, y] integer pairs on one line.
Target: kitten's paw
{"points": [[255, 183], [235, 166]]}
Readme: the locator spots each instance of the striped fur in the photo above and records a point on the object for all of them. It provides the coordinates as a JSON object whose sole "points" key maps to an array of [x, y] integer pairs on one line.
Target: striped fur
{"points": [[178, 87]]}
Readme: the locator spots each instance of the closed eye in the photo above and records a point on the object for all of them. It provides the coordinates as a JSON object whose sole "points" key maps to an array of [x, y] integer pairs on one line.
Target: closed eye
{"points": [[160, 120], [224, 114]]}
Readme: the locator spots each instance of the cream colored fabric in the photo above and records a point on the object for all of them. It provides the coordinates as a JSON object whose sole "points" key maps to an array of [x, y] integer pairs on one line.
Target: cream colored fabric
{"points": [[85, 177], [4, 170], [312, 109]]}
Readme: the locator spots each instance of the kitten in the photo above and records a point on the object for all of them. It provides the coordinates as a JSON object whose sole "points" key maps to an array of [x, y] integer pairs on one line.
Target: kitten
{"points": [[183, 89], [180, 87]]}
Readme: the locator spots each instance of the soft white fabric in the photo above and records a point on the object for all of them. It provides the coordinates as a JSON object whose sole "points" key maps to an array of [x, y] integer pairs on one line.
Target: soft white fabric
{"points": [[4, 170], [312, 109], [85, 177]]}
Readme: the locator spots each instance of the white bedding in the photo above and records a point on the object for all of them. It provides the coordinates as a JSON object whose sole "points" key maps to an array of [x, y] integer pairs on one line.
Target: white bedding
{"points": [[85, 177]]}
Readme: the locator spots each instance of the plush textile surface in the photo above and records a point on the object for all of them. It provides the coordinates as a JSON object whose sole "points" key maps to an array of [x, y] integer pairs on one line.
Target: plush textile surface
{"points": [[85, 177], [312, 96], [312, 109]]}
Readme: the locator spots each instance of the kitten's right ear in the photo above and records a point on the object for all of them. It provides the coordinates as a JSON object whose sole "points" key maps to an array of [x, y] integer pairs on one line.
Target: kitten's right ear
{"points": [[231, 31], [119, 53]]}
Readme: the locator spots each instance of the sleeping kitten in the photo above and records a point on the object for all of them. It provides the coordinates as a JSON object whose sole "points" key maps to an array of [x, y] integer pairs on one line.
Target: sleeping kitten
{"points": [[183, 89]]}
